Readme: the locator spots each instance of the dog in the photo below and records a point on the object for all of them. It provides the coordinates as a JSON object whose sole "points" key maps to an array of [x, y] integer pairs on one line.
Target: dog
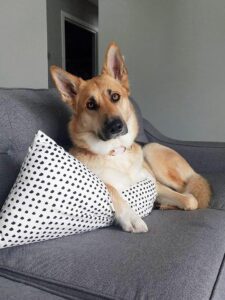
{"points": [[103, 129]]}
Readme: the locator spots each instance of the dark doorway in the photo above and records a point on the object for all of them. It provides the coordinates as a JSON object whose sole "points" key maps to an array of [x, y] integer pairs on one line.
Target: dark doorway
{"points": [[80, 50]]}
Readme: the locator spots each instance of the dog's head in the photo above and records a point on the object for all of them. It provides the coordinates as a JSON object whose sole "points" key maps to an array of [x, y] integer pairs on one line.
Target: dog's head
{"points": [[104, 118]]}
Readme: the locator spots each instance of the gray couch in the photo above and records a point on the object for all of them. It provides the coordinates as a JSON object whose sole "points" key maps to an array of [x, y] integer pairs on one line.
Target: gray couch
{"points": [[181, 257]]}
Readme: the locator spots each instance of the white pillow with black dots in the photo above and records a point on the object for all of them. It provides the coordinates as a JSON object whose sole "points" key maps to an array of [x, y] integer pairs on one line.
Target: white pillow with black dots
{"points": [[56, 195]]}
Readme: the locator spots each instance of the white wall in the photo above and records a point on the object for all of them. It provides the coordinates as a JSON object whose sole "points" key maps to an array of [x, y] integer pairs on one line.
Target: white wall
{"points": [[175, 52], [23, 44]]}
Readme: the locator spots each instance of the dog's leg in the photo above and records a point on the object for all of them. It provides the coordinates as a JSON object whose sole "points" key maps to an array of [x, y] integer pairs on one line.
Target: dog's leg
{"points": [[169, 198], [172, 170], [125, 216]]}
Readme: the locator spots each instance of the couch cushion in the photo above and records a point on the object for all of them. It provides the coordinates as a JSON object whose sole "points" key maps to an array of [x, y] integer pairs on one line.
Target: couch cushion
{"points": [[11, 290], [217, 182], [218, 292], [179, 258]]}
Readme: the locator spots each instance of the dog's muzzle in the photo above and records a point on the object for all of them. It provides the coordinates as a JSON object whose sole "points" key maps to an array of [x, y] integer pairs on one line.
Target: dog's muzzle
{"points": [[113, 128]]}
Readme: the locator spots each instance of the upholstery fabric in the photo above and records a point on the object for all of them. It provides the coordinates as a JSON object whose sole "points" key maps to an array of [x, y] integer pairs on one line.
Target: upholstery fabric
{"points": [[217, 182], [218, 292], [12, 290], [179, 258], [22, 113]]}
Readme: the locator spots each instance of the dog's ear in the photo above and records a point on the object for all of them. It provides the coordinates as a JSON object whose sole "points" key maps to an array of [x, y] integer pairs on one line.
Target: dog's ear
{"points": [[67, 84], [114, 65]]}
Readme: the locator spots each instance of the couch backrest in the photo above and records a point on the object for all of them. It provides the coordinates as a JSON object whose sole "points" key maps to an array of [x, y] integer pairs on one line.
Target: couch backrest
{"points": [[22, 113]]}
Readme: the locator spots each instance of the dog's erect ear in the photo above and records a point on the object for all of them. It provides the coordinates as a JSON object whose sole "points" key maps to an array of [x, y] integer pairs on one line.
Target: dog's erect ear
{"points": [[67, 84], [114, 65]]}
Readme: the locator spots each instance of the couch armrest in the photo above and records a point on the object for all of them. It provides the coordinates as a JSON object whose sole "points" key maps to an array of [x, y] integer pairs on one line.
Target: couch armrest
{"points": [[204, 157]]}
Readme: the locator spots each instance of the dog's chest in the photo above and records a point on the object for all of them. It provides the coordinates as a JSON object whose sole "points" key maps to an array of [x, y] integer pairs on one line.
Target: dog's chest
{"points": [[122, 170]]}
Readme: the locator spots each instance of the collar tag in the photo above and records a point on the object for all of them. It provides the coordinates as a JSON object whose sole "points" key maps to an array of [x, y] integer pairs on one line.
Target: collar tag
{"points": [[118, 151]]}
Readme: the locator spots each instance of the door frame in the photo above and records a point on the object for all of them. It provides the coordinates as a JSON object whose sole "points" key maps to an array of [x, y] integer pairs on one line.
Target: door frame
{"points": [[78, 22]]}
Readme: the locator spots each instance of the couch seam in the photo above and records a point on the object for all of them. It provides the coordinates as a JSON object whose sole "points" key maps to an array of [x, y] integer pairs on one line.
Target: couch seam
{"points": [[34, 285], [217, 278], [57, 282]]}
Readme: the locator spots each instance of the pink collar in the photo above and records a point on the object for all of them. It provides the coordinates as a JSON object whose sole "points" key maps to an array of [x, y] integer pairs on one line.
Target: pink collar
{"points": [[117, 151]]}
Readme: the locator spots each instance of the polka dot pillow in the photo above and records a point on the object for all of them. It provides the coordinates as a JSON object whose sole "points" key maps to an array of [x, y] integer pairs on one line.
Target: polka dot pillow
{"points": [[55, 195], [141, 196]]}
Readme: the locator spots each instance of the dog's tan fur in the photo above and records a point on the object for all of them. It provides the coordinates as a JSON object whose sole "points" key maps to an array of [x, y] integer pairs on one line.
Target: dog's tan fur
{"points": [[178, 185]]}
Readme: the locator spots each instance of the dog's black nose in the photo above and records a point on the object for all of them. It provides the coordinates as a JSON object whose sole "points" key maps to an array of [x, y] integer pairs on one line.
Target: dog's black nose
{"points": [[113, 127]]}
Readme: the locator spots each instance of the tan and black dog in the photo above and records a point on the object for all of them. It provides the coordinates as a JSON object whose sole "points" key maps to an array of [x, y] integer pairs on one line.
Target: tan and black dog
{"points": [[103, 130]]}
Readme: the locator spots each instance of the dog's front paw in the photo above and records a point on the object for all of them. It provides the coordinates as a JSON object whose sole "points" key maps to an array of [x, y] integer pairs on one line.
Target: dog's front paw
{"points": [[131, 222]]}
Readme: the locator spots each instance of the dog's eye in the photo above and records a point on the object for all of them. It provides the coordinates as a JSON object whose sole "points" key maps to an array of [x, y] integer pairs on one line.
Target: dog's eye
{"points": [[115, 97], [92, 104]]}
